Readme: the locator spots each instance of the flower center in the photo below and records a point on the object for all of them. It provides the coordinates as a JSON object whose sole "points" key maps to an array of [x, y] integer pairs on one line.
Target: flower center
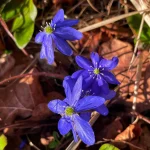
{"points": [[69, 111], [96, 71], [48, 29]]}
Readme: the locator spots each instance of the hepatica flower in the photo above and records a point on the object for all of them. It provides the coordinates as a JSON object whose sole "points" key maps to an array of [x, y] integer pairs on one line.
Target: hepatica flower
{"points": [[55, 34], [103, 110], [96, 73], [70, 110]]}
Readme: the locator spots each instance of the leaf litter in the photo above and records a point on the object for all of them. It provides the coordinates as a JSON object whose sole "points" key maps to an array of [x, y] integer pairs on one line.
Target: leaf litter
{"points": [[25, 100]]}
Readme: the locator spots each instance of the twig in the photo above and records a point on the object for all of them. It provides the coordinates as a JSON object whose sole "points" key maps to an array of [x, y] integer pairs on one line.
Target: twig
{"points": [[111, 20], [69, 11], [136, 84], [82, 11], [34, 61], [141, 117], [52, 75], [126, 7], [2, 22], [86, 43], [92, 6], [31, 144], [109, 6], [138, 40]]}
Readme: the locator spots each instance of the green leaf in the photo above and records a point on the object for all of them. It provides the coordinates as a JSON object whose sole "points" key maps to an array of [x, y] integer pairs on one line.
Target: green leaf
{"points": [[134, 23], [56, 142], [24, 13], [53, 144], [23, 35], [23, 26], [108, 147], [3, 141], [12, 9]]}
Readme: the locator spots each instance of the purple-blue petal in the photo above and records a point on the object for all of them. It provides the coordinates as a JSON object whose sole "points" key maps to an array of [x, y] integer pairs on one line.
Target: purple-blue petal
{"points": [[84, 130], [83, 63], [74, 133], [62, 45], [64, 126], [85, 115], [87, 83], [68, 33], [103, 110], [110, 78], [68, 92], [71, 82], [49, 49], [77, 90], [67, 23], [76, 74], [57, 106], [43, 52], [100, 85], [95, 59], [109, 64], [107, 96], [59, 17], [88, 103], [39, 37]]}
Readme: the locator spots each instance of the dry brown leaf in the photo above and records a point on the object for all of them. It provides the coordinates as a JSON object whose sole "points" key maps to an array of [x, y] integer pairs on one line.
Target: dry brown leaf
{"points": [[90, 41], [114, 29], [7, 62], [131, 132], [124, 51], [109, 131], [144, 140], [20, 99], [54, 95]]}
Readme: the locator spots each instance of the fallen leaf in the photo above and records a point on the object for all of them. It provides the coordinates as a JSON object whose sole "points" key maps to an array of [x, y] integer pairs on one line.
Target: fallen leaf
{"points": [[7, 62], [108, 131], [54, 95], [124, 51], [20, 99], [90, 41], [131, 132]]}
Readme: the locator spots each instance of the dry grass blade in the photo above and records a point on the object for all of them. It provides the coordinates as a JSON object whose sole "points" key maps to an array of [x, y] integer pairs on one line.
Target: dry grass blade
{"points": [[140, 5], [111, 20], [109, 6], [92, 6], [138, 40], [136, 86]]}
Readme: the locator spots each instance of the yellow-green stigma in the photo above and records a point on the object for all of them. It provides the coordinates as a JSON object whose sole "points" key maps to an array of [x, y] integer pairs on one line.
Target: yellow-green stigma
{"points": [[69, 111], [48, 29], [96, 71]]}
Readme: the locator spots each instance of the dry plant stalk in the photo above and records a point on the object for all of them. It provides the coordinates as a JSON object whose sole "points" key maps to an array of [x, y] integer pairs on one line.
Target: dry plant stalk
{"points": [[140, 5], [136, 85]]}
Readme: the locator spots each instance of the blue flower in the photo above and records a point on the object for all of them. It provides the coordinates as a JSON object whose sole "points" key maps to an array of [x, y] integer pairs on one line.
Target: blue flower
{"points": [[103, 110], [55, 35], [96, 73], [71, 108]]}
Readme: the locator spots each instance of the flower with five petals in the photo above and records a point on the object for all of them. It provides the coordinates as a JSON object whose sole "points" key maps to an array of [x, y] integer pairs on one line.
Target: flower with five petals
{"points": [[55, 35], [71, 108], [96, 73], [103, 110]]}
